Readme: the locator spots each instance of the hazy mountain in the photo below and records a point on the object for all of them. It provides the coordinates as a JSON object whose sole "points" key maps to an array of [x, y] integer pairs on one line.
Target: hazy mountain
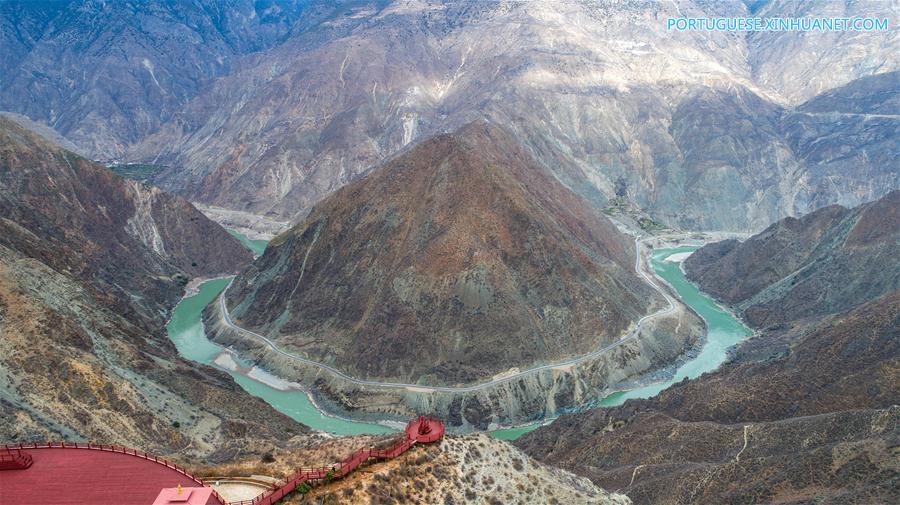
{"points": [[106, 74], [805, 410], [90, 266], [457, 260], [691, 121]]}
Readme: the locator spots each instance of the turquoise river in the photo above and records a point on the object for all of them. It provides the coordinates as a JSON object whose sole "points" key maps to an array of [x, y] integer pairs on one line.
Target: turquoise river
{"points": [[186, 331]]}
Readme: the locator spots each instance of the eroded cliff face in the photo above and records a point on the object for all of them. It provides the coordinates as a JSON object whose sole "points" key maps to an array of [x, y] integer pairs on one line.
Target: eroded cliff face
{"points": [[696, 124], [520, 400], [76, 370], [90, 266]]}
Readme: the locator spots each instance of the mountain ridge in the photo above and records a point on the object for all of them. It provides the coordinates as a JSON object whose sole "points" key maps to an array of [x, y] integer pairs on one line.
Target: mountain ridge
{"points": [[91, 264]]}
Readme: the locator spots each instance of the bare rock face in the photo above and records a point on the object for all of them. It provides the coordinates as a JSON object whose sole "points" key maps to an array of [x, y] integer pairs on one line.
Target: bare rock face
{"points": [[136, 246], [794, 63], [90, 266], [107, 74], [456, 261], [692, 122], [824, 262]]}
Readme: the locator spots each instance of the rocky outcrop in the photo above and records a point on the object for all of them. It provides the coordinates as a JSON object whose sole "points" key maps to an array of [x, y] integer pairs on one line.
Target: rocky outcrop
{"points": [[824, 262], [90, 266], [471, 469]]}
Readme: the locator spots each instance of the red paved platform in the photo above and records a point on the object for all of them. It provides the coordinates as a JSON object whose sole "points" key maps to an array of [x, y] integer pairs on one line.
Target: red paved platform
{"points": [[82, 476]]}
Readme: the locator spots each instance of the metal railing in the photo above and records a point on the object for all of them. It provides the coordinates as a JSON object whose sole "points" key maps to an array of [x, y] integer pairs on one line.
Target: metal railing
{"points": [[17, 460], [301, 476], [346, 466], [116, 449]]}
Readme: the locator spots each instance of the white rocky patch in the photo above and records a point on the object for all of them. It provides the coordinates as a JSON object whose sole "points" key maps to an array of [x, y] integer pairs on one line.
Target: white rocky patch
{"points": [[149, 66], [678, 257], [141, 225]]}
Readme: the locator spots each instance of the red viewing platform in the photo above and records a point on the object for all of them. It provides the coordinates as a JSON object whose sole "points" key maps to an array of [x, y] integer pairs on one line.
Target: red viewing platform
{"points": [[91, 474], [88, 474]]}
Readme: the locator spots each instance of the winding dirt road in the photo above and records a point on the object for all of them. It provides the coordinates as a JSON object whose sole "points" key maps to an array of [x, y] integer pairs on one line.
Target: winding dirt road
{"points": [[632, 334]]}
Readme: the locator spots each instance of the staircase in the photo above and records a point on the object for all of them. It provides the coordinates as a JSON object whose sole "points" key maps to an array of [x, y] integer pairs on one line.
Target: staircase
{"points": [[14, 459]]}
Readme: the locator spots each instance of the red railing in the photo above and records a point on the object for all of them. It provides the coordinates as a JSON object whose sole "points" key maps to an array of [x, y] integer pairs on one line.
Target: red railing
{"points": [[346, 466], [112, 448], [17, 460], [302, 475]]}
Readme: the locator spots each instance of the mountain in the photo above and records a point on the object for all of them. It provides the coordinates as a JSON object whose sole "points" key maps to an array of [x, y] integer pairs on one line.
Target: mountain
{"points": [[134, 245], [804, 415], [455, 261], [804, 411], [821, 263], [695, 124], [106, 74], [90, 266]]}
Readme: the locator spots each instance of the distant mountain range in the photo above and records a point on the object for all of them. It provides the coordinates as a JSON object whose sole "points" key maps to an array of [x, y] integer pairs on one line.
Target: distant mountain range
{"points": [[278, 104]]}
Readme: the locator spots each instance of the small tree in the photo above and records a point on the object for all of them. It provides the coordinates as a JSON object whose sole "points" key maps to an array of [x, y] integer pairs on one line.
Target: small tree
{"points": [[621, 187]]}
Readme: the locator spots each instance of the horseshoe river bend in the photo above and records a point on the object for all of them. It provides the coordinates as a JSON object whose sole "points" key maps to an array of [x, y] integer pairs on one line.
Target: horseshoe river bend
{"points": [[185, 329]]}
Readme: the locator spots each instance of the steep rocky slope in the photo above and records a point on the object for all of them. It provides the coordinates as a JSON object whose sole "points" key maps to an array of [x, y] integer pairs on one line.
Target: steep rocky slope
{"points": [[693, 122], [106, 74], [807, 413], [90, 265], [806, 410], [456, 261], [472, 469], [134, 245], [824, 262]]}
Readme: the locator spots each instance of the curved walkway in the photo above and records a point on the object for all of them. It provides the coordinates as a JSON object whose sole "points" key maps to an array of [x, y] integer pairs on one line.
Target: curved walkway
{"points": [[420, 430], [669, 309]]}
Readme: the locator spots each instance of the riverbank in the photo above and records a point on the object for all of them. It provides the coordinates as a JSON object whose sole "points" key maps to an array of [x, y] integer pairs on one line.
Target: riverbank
{"points": [[295, 400], [185, 329]]}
